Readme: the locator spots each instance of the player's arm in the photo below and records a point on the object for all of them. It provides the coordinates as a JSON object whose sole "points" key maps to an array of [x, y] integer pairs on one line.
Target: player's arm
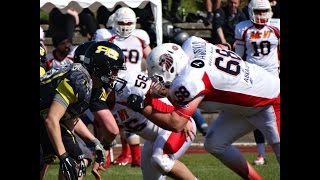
{"points": [[81, 129], [169, 121], [172, 121], [239, 44], [84, 133], [146, 51], [55, 113]]}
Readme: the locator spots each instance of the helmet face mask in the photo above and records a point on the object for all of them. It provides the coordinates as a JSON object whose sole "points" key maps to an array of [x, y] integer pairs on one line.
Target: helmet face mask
{"points": [[124, 22], [260, 11]]}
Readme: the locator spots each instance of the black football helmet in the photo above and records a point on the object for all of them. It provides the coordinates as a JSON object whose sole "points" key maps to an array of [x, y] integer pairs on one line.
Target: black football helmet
{"points": [[104, 59], [80, 51]]}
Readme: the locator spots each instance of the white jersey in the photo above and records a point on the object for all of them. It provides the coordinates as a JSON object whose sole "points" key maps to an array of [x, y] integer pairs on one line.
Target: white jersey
{"points": [[161, 147], [132, 46], [53, 62], [137, 83], [261, 45], [228, 82]]}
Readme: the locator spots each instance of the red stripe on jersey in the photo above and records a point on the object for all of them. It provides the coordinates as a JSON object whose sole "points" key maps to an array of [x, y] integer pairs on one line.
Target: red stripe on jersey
{"points": [[275, 30], [245, 33], [112, 38], [141, 42], [235, 98], [174, 142], [161, 106]]}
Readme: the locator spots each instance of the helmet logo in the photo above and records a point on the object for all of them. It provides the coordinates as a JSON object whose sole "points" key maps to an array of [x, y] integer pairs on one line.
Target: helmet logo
{"points": [[166, 60], [111, 53]]}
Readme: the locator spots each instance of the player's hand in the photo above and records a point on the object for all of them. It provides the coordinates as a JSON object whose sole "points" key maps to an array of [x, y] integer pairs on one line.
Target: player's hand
{"points": [[68, 167], [82, 168], [99, 151], [226, 46], [136, 103], [188, 131], [95, 170]]}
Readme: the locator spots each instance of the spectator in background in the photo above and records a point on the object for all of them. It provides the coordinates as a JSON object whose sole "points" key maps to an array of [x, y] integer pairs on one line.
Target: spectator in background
{"points": [[275, 7], [211, 6], [62, 53], [103, 15], [60, 23], [88, 24], [66, 23], [224, 22], [172, 14]]}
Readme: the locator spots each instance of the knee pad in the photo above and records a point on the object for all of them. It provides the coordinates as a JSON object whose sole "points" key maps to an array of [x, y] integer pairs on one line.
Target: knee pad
{"points": [[163, 163]]}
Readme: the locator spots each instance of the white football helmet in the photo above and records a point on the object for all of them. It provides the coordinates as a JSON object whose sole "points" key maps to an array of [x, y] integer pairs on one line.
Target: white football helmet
{"points": [[165, 62], [124, 22], [259, 11]]}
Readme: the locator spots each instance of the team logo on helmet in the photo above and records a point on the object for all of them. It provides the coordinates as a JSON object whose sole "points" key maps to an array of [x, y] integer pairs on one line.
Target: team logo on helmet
{"points": [[111, 53], [166, 60]]}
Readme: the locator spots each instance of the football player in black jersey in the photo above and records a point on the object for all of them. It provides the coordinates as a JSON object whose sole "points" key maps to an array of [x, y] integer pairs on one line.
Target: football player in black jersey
{"points": [[65, 94]]}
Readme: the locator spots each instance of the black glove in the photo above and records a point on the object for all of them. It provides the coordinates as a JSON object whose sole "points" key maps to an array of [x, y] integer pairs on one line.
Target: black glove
{"points": [[68, 167], [136, 103], [82, 168]]}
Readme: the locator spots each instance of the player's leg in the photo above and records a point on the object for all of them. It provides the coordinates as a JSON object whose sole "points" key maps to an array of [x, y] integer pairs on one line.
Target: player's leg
{"points": [[260, 142], [268, 122], [225, 130], [167, 148], [148, 172], [134, 143], [125, 156], [48, 153]]}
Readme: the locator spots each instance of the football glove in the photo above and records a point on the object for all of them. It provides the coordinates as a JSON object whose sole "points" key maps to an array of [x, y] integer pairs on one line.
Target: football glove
{"points": [[100, 152], [82, 168], [136, 103], [68, 167]]}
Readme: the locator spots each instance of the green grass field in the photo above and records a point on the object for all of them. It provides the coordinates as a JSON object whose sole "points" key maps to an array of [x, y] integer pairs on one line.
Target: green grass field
{"points": [[204, 166]]}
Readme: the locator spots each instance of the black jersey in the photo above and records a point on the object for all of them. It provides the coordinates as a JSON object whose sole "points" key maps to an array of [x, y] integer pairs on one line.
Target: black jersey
{"points": [[70, 85]]}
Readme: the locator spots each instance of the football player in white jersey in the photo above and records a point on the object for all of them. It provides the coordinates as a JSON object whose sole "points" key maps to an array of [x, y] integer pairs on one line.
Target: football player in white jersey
{"points": [[258, 42], [133, 42], [202, 74], [135, 46], [162, 148]]}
